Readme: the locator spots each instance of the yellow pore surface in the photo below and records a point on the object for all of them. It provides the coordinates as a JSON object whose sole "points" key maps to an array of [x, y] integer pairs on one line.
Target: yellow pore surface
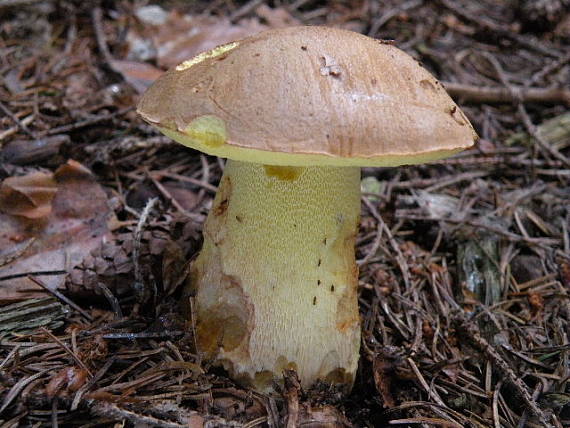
{"points": [[208, 134]]}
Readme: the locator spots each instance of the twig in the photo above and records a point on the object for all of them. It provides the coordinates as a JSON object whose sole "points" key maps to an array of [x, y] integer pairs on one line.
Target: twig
{"points": [[195, 217], [486, 94], [508, 235], [138, 237], [423, 421], [143, 335], [531, 129], [18, 387], [545, 71], [97, 17], [374, 248], [114, 411], [18, 3], [87, 122], [430, 391], [113, 301], [202, 183], [36, 273], [67, 350], [501, 30], [245, 9], [54, 421], [10, 355], [473, 335], [10, 257], [61, 297], [404, 268], [292, 388], [18, 122], [378, 23]]}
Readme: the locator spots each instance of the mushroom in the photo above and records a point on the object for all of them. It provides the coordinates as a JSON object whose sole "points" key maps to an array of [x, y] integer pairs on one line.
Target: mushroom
{"points": [[297, 112]]}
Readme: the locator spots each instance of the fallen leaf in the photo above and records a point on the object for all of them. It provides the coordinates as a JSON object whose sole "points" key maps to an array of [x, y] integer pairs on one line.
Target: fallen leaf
{"points": [[77, 223], [185, 197], [183, 37], [28, 195], [139, 75], [172, 37]]}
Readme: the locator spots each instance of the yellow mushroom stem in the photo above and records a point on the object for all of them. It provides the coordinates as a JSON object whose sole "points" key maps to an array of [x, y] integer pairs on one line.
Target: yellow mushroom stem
{"points": [[275, 283]]}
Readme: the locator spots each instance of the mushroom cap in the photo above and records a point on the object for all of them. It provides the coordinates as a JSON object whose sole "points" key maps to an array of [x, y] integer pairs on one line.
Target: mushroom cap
{"points": [[308, 96]]}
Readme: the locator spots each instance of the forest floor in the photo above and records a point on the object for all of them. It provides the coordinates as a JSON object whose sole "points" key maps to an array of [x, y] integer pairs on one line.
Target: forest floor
{"points": [[464, 286]]}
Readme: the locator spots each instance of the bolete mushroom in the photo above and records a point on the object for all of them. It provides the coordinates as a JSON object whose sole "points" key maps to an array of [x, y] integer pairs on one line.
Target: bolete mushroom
{"points": [[297, 112]]}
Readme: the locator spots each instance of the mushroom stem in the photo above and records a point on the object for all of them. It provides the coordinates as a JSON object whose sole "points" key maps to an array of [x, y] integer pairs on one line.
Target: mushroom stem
{"points": [[275, 282]]}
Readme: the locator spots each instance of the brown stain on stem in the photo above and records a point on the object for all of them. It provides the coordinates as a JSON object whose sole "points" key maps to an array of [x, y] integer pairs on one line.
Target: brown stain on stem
{"points": [[284, 173], [223, 196]]}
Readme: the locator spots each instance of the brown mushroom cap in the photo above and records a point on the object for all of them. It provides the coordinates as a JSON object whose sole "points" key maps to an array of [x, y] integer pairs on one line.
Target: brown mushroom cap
{"points": [[308, 96]]}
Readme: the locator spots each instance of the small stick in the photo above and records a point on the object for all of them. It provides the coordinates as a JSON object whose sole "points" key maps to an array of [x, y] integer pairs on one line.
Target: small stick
{"points": [[486, 24], [36, 273], [245, 9], [113, 301], [480, 342], [67, 350], [487, 94], [18, 122], [531, 129], [61, 297], [192, 216], [97, 16], [138, 237], [291, 394], [54, 421], [14, 3], [9, 258], [431, 392], [87, 122]]}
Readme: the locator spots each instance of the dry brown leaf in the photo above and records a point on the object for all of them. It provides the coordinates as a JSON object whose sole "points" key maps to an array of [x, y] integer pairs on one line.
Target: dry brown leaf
{"points": [[76, 225], [183, 37], [185, 197], [139, 75], [171, 38], [175, 37], [28, 195]]}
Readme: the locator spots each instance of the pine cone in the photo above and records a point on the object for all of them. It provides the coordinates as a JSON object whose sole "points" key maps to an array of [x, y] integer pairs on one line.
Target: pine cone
{"points": [[112, 263]]}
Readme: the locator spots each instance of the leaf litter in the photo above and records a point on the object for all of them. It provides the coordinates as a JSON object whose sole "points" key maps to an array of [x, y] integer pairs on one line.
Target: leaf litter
{"points": [[464, 263], [66, 214]]}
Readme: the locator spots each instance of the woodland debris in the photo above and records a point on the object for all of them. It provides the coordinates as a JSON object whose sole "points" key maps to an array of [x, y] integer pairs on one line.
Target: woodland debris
{"points": [[63, 99], [67, 215], [478, 94]]}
